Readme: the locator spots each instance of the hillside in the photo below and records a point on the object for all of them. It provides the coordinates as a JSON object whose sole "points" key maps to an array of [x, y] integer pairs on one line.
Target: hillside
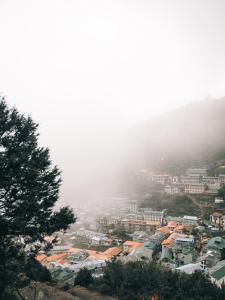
{"points": [[46, 292], [191, 135]]}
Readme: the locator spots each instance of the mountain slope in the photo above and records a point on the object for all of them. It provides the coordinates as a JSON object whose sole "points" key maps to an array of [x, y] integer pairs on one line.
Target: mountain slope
{"points": [[191, 135]]}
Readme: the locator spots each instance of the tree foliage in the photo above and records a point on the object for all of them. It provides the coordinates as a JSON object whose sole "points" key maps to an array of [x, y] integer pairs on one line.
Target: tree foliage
{"points": [[29, 189], [84, 278], [141, 280]]}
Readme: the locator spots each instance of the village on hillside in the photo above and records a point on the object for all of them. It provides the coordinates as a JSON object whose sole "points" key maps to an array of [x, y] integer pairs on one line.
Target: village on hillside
{"points": [[122, 229]]}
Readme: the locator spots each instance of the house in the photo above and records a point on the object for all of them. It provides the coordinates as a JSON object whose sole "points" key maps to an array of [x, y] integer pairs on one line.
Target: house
{"points": [[112, 252], [190, 268], [96, 240], [217, 273], [166, 256], [77, 256], [210, 259], [216, 243], [142, 253], [218, 200], [171, 240], [190, 220], [179, 229], [179, 220], [217, 219], [172, 225], [137, 254], [165, 230], [185, 242], [60, 248], [140, 236], [128, 246]]}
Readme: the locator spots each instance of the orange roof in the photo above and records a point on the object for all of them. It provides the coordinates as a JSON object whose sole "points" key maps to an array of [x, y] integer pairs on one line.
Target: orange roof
{"points": [[41, 257], [74, 250], [172, 238], [164, 229], [56, 257], [179, 227], [112, 251], [100, 256], [168, 242], [133, 244], [62, 261], [172, 224]]}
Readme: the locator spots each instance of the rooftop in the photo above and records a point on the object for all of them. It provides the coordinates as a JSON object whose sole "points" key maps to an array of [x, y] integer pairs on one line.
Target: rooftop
{"points": [[133, 244], [218, 271]]}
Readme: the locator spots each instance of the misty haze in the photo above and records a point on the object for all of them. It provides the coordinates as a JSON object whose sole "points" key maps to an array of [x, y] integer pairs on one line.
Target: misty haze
{"points": [[112, 150]]}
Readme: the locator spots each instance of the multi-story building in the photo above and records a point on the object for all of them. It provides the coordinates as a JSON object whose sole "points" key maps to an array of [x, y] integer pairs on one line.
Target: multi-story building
{"points": [[147, 221], [161, 178], [107, 222], [195, 188], [139, 225], [153, 215], [191, 179], [210, 180], [197, 171], [129, 206], [171, 190], [192, 220]]}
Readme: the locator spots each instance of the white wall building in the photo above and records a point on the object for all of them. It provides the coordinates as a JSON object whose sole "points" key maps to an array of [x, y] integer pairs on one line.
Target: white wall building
{"points": [[194, 188]]}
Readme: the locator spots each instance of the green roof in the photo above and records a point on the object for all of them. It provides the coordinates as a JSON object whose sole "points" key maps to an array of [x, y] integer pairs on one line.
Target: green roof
{"points": [[216, 243], [218, 274], [151, 245]]}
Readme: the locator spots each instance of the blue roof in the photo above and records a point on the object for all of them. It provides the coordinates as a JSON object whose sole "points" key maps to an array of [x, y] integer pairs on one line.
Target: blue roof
{"points": [[191, 240]]}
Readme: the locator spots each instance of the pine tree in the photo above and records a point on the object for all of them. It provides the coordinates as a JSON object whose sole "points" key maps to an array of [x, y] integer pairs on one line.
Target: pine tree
{"points": [[29, 189]]}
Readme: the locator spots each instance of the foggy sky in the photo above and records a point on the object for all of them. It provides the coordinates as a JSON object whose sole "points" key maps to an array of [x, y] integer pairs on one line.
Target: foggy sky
{"points": [[88, 70]]}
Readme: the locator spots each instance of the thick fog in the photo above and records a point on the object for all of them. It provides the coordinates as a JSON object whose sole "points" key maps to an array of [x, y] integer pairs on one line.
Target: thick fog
{"points": [[89, 71]]}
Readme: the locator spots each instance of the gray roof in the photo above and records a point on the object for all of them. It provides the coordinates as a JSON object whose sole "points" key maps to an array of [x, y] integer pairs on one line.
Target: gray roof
{"points": [[142, 253], [218, 271], [190, 268]]}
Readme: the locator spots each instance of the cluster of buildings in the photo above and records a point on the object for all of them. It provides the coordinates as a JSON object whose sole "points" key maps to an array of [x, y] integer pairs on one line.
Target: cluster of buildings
{"points": [[194, 181], [65, 261], [186, 244], [179, 243]]}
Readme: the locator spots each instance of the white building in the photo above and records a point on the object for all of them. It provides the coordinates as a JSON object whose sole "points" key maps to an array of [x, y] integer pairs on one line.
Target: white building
{"points": [[191, 179], [161, 178], [171, 190], [192, 220], [197, 171], [194, 188], [217, 219]]}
